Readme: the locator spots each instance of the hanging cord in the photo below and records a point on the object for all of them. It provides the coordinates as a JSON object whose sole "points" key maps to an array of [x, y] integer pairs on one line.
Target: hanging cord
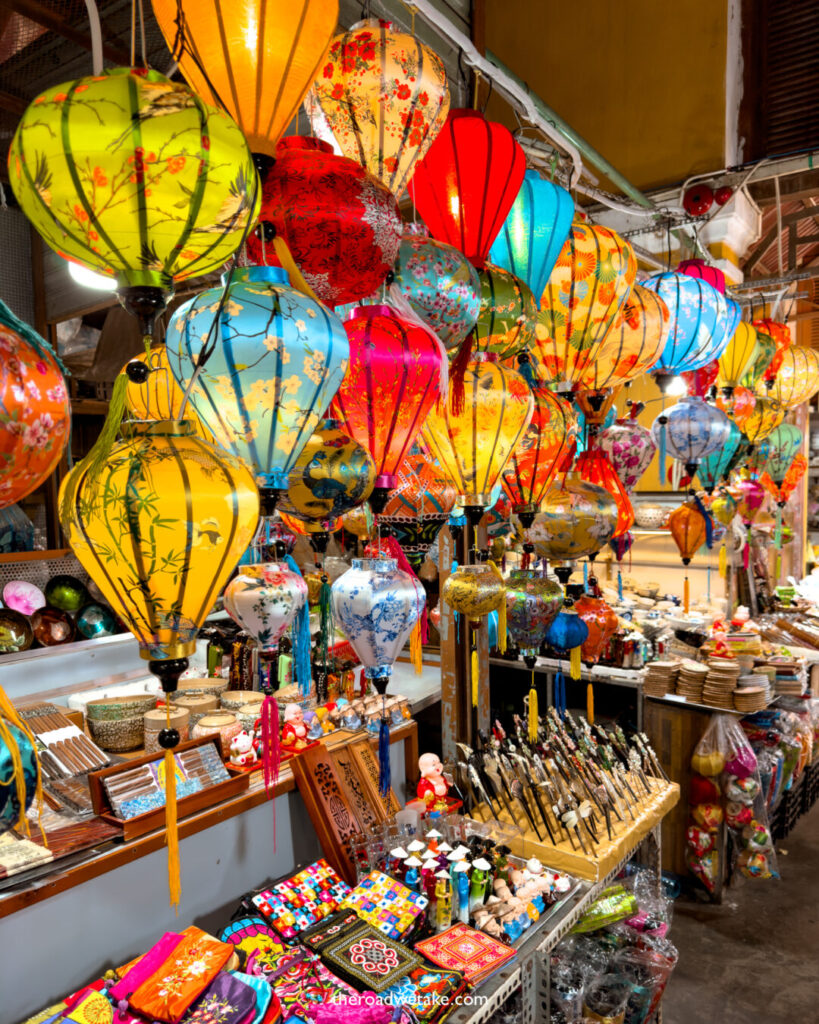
{"points": [[142, 34]]}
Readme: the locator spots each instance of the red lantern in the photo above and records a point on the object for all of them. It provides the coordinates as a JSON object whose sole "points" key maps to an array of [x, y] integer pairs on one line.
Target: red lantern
{"points": [[699, 268], [466, 184], [781, 492], [595, 468], [393, 380], [341, 223], [698, 200], [781, 335], [740, 405], [700, 381], [602, 623]]}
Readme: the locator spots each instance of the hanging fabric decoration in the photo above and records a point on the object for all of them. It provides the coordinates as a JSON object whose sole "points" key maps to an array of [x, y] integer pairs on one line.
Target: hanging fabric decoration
{"points": [[594, 467], [134, 176], [540, 453], [689, 525], [588, 287], [797, 379], [534, 231], [629, 447], [35, 414], [576, 519], [715, 468], [467, 182], [763, 355], [341, 224], [692, 430], [507, 317]]}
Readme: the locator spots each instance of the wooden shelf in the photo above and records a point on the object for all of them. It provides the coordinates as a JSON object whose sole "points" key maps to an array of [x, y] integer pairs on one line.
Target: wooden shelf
{"points": [[34, 556]]}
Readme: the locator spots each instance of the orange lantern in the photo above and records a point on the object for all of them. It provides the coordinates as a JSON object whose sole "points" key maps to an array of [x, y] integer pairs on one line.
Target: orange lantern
{"points": [[781, 335], [740, 405], [782, 491], [797, 379], [690, 526], [765, 417], [594, 467], [602, 622]]}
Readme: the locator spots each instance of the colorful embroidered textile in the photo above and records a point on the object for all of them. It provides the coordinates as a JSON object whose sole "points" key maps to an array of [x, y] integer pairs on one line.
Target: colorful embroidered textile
{"points": [[429, 994], [263, 995], [301, 980], [142, 968], [461, 948], [368, 959], [387, 905], [225, 1001], [255, 941], [305, 899]]}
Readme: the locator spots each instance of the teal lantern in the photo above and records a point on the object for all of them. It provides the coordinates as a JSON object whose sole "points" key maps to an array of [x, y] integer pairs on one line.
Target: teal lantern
{"points": [[715, 468], [534, 232], [276, 358], [785, 441]]}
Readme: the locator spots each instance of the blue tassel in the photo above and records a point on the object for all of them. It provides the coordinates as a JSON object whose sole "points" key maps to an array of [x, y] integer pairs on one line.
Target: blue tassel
{"points": [[619, 585], [300, 633], [661, 455], [585, 575], [384, 780], [560, 694], [492, 628], [709, 584], [527, 371]]}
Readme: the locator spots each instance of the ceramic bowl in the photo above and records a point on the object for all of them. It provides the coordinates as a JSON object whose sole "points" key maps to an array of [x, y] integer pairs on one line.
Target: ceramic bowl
{"points": [[23, 597], [53, 627], [248, 715], [111, 709], [649, 516], [117, 734], [16, 633]]}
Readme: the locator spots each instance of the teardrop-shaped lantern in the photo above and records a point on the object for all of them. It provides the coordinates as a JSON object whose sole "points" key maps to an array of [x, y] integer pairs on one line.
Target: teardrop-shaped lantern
{"points": [[593, 466], [602, 623], [738, 358], [418, 506], [567, 631], [781, 335], [473, 590], [507, 317], [576, 519], [629, 447], [765, 416], [797, 379], [690, 528], [393, 381], [540, 453], [694, 337], [533, 601], [785, 441], [278, 358], [534, 232], [264, 599], [715, 468], [588, 287], [383, 96], [693, 429], [474, 445], [466, 184]]}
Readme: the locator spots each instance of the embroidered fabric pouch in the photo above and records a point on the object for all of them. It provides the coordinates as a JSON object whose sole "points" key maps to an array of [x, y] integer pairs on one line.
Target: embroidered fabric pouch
{"points": [[226, 1000], [464, 949], [141, 969], [387, 905], [263, 993], [368, 959], [429, 994], [255, 941], [329, 930], [295, 904], [301, 980]]}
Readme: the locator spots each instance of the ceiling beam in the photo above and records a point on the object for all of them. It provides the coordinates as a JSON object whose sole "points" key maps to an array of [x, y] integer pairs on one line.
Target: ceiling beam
{"points": [[769, 237], [40, 13]]}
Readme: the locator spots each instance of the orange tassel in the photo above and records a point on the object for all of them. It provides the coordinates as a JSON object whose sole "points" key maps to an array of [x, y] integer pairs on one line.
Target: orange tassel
{"points": [[590, 703], [416, 648], [172, 832], [686, 595]]}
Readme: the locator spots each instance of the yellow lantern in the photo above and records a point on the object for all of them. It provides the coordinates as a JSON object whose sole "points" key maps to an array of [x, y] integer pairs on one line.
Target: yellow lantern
{"points": [[765, 416], [797, 379], [591, 281], [254, 58], [576, 519], [474, 445], [738, 358], [152, 392]]}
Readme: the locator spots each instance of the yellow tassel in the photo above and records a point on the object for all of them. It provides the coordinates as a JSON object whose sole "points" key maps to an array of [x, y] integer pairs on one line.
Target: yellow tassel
{"points": [[293, 272], [172, 831], [533, 711], [501, 610], [17, 779], [590, 703], [475, 677], [574, 663], [723, 561], [416, 648], [686, 595]]}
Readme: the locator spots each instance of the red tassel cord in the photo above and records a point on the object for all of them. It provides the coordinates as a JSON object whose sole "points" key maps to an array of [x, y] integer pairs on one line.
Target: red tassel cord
{"points": [[271, 749], [457, 371]]}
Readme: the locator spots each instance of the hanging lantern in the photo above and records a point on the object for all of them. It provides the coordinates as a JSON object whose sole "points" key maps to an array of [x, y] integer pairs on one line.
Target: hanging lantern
{"points": [[467, 182], [634, 343], [152, 392], [730, 312], [532, 604], [629, 448], [594, 467], [765, 417], [332, 475], [782, 489], [534, 232], [723, 507], [780, 334], [739, 405], [576, 519], [699, 382], [474, 445], [35, 414], [474, 590], [540, 453], [506, 321], [566, 636], [440, 284], [602, 623], [797, 379], [750, 495], [716, 467], [134, 176], [785, 441], [382, 95], [699, 268], [588, 287], [691, 528], [278, 358], [318, 530], [764, 354], [690, 430], [738, 358], [418, 506], [341, 224], [392, 383]]}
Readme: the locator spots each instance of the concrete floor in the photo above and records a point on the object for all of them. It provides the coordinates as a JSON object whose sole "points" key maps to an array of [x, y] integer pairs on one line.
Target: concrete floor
{"points": [[753, 960]]}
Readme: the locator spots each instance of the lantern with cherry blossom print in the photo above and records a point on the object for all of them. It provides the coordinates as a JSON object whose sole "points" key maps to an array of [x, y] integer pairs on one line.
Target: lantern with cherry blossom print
{"points": [[629, 447]]}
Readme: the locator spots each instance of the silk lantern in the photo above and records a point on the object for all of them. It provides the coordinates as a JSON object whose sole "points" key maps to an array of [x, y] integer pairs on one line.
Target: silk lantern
{"points": [[704, 271], [797, 379], [418, 506], [392, 383], [440, 284], [540, 453], [467, 182], [739, 406], [35, 414], [566, 636], [781, 335], [765, 417], [738, 358], [699, 382], [277, 359], [692, 430], [782, 489], [20, 777], [785, 441], [690, 528], [134, 176], [576, 519], [152, 392], [634, 343], [507, 315], [715, 467], [629, 447], [750, 496], [254, 58], [317, 530], [341, 224], [763, 356], [534, 231], [693, 339], [474, 445], [383, 96], [602, 623], [723, 507], [588, 287], [594, 467]]}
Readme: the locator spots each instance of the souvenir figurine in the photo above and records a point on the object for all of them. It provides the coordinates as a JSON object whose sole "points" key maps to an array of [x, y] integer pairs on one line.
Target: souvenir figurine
{"points": [[294, 731], [412, 877], [462, 884], [242, 751], [479, 882], [443, 898], [432, 787]]}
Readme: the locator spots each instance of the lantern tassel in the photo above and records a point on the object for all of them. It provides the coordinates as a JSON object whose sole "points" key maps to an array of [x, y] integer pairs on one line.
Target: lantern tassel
{"points": [[296, 277], [723, 561], [574, 663], [619, 584], [326, 625], [9, 716], [501, 608], [271, 753], [708, 584], [475, 677], [384, 780], [533, 710], [301, 639], [661, 455], [590, 703], [416, 648], [526, 370], [778, 529], [560, 694], [686, 594], [457, 371], [172, 831]]}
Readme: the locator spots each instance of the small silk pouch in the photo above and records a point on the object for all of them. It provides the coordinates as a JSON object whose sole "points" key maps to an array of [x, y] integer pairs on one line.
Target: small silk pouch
{"points": [[226, 1000], [142, 969], [263, 993]]}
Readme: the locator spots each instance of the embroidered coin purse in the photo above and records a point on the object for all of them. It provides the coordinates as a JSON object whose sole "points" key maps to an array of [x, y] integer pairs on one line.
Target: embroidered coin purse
{"points": [[387, 905], [297, 903], [367, 959], [428, 994]]}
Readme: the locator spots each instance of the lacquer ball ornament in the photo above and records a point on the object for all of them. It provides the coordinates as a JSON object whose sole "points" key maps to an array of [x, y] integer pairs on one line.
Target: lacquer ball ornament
{"points": [[533, 601], [376, 604], [473, 590], [264, 599], [95, 620], [576, 519]]}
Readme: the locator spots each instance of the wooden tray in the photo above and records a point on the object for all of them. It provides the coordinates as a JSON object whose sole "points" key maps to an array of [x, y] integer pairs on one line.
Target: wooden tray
{"points": [[153, 820]]}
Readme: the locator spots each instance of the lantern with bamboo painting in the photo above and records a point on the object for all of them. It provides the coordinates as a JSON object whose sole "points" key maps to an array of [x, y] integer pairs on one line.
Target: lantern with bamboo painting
{"points": [[507, 316], [690, 527], [134, 176], [785, 441]]}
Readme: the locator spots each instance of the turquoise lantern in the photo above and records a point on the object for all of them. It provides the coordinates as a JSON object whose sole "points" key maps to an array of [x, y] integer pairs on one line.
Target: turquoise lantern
{"points": [[716, 466], [275, 359], [785, 441], [534, 232]]}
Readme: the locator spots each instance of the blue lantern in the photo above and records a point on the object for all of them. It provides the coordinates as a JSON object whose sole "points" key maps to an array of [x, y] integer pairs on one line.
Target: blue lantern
{"points": [[278, 359], [690, 430], [699, 321], [534, 232], [567, 632], [715, 467]]}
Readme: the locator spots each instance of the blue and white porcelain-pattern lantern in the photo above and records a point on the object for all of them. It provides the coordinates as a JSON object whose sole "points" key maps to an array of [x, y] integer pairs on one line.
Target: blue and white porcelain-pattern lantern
{"points": [[264, 599], [692, 430]]}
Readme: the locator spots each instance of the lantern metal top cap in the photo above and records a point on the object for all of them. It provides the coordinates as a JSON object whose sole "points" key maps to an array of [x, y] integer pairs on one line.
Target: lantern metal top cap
{"points": [[375, 564]]}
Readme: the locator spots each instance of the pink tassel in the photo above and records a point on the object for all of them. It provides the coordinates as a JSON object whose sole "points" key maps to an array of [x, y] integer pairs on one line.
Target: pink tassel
{"points": [[271, 750]]}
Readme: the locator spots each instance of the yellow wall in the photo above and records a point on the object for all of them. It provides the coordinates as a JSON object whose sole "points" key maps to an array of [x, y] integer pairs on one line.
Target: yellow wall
{"points": [[642, 80]]}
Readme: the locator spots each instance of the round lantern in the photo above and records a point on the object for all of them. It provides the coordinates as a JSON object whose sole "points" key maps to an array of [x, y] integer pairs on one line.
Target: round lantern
{"points": [[602, 623], [567, 632], [474, 590], [532, 604], [256, 59], [332, 475], [382, 95], [699, 268], [576, 519], [506, 320], [629, 447], [694, 338], [692, 430], [474, 445], [634, 343], [591, 281], [440, 284], [785, 442], [699, 382], [750, 495], [341, 224], [264, 599], [418, 506], [797, 379], [467, 182], [540, 453], [392, 383], [723, 507], [534, 231], [765, 416], [134, 176], [35, 414], [781, 336], [278, 358], [715, 467], [593, 467]]}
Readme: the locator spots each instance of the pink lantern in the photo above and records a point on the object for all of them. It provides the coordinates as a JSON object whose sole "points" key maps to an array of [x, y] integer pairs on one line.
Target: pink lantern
{"points": [[700, 269], [750, 495], [629, 447]]}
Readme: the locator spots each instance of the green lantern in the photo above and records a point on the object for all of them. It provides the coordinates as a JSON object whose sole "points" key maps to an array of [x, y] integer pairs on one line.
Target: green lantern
{"points": [[508, 314], [134, 176]]}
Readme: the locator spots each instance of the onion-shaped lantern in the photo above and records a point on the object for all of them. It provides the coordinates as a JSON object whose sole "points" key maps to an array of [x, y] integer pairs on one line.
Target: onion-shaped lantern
{"points": [[723, 507], [602, 623], [533, 601], [418, 506], [264, 599], [716, 467], [785, 441], [576, 519], [507, 317], [629, 447], [797, 379], [690, 430], [750, 496], [593, 466]]}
